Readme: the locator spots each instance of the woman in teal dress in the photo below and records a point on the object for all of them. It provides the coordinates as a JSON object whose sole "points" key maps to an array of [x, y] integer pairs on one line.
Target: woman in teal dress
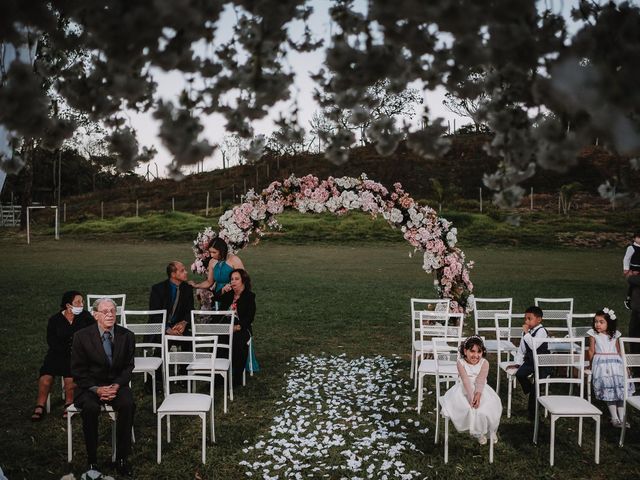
{"points": [[221, 264]]}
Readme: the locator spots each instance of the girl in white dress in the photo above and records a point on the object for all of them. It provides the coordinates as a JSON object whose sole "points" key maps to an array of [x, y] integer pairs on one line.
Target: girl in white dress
{"points": [[606, 364], [471, 404]]}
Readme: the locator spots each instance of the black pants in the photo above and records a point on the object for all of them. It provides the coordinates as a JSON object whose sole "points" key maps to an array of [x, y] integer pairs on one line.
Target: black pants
{"points": [[529, 388], [124, 407], [240, 354]]}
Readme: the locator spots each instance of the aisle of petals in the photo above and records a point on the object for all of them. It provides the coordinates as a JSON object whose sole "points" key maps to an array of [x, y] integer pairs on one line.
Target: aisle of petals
{"points": [[338, 418]]}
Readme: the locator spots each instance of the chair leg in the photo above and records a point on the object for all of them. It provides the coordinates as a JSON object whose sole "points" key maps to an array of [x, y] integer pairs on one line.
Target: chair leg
{"points": [[589, 388], [203, 417], [509, 389], [446, 439], [435, 440], [413, 359], [491, 437], [213, 431], [153, 386], [498, 379], [159, 439], [624, 426], [552, 440], [420, 379], [535, 426], [113, 442], [48, 404], [224, 379], [580, 432], [69, 438], [231, 385], [168, 428], [597, 419], [415, 371]]}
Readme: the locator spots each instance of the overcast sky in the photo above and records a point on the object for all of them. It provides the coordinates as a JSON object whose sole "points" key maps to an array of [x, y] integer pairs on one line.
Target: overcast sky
{"points": [[303, 64]]}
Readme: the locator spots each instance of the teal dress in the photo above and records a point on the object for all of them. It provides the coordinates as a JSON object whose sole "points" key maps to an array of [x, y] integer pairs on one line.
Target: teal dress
{"points": [[221, 275]]}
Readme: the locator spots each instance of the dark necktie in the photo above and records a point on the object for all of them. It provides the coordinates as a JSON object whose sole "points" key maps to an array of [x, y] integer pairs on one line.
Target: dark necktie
{"points": [[108, 346]]}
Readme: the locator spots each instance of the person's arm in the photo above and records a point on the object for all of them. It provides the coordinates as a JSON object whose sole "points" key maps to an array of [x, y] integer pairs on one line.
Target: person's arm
{"points": [[209, 281], [466, 382], [52, 338], [481, 381], [626, 261], [247, 313], [235, 262], [592, 348]]}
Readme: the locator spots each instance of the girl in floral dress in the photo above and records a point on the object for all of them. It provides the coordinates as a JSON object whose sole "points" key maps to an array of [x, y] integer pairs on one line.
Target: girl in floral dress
{"points": [[606, 364]]}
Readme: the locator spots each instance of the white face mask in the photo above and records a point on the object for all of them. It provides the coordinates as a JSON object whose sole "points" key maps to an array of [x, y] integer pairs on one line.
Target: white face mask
{"points": [[76, 310]]}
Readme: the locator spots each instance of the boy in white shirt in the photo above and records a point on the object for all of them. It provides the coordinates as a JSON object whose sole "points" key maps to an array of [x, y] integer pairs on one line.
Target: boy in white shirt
{"points": [[524, 357]]}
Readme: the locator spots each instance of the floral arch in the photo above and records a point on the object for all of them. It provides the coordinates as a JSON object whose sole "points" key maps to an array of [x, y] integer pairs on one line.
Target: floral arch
{"points": [[420, 225]]}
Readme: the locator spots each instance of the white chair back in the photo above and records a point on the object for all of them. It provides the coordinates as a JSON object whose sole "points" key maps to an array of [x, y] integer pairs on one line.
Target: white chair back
{"points": [[179, 357], [439, 325], [565, 355], [506, 331], [485, 311], [425, 305], [556, 311], [580, 323], [150, 330], [211, 322], [631, 363], [120, 300]]}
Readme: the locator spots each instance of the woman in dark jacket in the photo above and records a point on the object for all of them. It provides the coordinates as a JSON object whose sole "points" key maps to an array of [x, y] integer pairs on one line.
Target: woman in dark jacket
{"points": [[237, 295], [60, 329]]}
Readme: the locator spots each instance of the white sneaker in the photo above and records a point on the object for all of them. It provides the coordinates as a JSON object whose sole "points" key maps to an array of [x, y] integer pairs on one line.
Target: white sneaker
{"points": [[482, 439]]}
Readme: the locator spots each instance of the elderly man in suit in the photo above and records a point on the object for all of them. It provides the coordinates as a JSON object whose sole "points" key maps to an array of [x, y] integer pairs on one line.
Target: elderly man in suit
{"points": [[102, 359]]}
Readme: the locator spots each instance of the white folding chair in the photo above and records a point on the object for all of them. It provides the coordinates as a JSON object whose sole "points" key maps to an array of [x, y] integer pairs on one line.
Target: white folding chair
{"points": [[577, 328], [250, 360], [556, 314], [484, 314], [446, 352], [434, 325], [506, 333], [418, 305], [561, 406], [119, 299], [147, 364], [193, 404], [221, 322], [629, 360]]}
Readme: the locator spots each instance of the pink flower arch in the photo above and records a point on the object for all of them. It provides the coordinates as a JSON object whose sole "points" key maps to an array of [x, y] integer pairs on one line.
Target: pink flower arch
{"points": [[420, 225]]}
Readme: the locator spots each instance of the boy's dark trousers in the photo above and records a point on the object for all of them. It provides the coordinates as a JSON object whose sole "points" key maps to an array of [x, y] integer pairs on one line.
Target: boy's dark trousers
{"points": [[528, 387]]}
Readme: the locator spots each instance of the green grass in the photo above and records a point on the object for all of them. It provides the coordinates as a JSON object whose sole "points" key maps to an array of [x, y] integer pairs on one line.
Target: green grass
{"points": [[312, 298]]}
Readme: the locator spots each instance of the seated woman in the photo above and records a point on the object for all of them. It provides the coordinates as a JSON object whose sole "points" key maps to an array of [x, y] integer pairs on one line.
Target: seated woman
{"points": [[237, 295], [221, 264], [57, 361]]}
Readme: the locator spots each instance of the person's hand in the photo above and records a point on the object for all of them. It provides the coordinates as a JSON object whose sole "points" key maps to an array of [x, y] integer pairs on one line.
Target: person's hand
{"points": [[226, 288], [475, 402], [237, 328], [525, 328], [180, 327], [108, 392], [626, 273], [192, 283]]}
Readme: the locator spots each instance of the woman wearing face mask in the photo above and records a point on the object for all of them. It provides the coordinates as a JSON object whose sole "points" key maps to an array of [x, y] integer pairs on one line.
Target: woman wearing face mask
{"points": [[60, 330]]}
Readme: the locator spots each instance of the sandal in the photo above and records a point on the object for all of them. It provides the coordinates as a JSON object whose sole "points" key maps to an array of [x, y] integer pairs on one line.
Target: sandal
{"points": [[38, 413], [64, 411]]}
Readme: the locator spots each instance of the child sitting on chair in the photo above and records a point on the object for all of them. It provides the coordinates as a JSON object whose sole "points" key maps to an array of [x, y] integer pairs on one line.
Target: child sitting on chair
{"points": [[471, 404], [531, 329]]}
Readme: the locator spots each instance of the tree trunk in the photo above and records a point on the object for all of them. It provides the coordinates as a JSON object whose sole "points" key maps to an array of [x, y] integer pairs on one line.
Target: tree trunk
{"points": [[27, 152]]}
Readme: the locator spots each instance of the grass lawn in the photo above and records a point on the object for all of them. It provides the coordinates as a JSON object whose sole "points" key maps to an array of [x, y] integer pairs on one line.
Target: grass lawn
{"points": [[315, 299]]}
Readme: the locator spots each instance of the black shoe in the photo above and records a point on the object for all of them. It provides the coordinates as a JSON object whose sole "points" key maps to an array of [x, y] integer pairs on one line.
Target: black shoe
{"points": [[627, 303], [93, 466], [124, 468]]}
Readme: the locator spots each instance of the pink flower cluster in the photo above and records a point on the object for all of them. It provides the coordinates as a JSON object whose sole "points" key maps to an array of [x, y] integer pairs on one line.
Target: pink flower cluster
{"points": [[420, 225]]}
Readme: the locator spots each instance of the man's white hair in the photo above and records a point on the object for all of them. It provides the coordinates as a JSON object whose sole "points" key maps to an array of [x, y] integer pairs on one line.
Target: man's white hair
{"points": [[97, 303]]}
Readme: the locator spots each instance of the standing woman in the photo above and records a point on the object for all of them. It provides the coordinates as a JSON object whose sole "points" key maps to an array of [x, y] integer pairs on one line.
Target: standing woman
{"points": [[221, 264], [57, 361], [237, 295]]}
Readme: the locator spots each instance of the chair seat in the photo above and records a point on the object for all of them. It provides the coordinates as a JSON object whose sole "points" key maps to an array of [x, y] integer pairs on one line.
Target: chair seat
{"points": [[568, 405], [424, 347], [446, 368], [185, 403], [634, 401], [220, 364], [72, 410], [505, 345], [509, 367], [147, 364]]}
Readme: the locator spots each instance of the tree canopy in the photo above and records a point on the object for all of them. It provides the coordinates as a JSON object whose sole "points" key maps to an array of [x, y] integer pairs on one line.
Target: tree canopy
{"points": [[544, 72]]}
